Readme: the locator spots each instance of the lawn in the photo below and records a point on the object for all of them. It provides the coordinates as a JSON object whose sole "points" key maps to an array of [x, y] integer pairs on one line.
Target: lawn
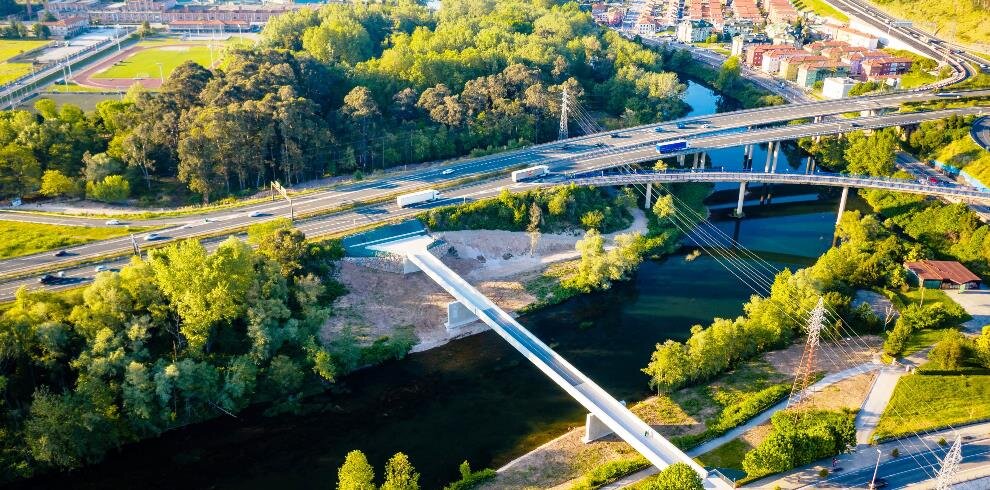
{"points": [[73, 88], [915, 295], [821, 8], [729, 455], [926, 401], [144, 64], [10, 49], [18, 238], [921, 339], [13, 71]]}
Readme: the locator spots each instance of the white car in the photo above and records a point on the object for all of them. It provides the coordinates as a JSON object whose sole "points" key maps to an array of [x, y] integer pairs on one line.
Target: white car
{"points": [[255, 214], [151, 236], [112, 222], [447, 171], [101, 268]]}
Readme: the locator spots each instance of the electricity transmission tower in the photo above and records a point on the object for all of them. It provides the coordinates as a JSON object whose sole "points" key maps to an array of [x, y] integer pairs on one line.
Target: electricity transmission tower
{"points": [[804, 373], [950, 464], [564, 102]]}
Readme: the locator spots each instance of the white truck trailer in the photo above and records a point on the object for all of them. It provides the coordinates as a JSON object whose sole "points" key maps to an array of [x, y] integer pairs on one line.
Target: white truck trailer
{"points": [[417, 197], [530, 173]]}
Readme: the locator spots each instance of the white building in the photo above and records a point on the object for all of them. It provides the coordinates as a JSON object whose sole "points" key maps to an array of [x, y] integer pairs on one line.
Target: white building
{"points": [[694, 31], [837, 87]]}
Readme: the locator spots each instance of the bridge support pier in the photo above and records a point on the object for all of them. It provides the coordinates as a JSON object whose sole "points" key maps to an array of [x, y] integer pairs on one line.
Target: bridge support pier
{"points": [[680, 160], [458, 315], [842, 204], [738, 213], [594, 429], [776, 152], [809, 167], [770, 147], [695, 163], [408, 267], [649, 194]]}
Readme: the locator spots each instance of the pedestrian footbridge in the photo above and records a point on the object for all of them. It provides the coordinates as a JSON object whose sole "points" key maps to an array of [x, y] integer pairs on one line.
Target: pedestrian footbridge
{"points": [[607, 415]]}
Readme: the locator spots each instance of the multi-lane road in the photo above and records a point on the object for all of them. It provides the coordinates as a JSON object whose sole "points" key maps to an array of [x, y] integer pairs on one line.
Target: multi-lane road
{"points": [[560, 155], [575, 156]]}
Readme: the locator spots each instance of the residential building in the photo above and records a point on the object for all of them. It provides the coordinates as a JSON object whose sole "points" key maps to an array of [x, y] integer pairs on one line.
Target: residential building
{"points": [[851, 36], [942, 274], [646, 25], [694, 31], [790, 62], [891, 66], [780, 11], [837, 87], [808, 74], [67, 27], [771, 58]]}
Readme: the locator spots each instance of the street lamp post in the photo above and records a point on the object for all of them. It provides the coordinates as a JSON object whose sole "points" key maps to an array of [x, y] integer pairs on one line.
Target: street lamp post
{"points": [[161, 72], [875, 469]]}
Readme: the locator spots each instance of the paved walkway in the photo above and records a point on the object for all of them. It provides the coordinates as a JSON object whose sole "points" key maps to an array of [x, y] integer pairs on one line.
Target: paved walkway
{"points": [[876, 402], [977, 303]]}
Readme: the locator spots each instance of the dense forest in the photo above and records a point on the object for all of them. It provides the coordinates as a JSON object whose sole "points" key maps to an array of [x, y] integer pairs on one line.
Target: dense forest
{"points": [[340, 89]]}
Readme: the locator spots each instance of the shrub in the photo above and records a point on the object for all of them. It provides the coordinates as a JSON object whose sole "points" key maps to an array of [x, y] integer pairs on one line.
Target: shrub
{"points": [[609, 472], [799, 437], [823, 472], [113, 188]]}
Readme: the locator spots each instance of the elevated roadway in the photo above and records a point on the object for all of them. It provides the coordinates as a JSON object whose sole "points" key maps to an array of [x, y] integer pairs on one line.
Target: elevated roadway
{"points": [[648, 442], [575, 154], [947, 190]]}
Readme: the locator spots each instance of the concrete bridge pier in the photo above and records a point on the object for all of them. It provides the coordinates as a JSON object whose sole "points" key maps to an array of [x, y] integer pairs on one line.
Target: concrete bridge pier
{"points": [[649, 195], [458, 315], [701, 164], [776, 152], [695, 163], [770, 147], [738, 213], [594, 428], [680, 160], [408, 266], [842, 204], [809, 166], [747, 157]]}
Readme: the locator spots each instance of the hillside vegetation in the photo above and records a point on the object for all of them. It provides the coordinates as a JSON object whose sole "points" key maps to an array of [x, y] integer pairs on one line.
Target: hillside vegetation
{"points": [[967, 21]]}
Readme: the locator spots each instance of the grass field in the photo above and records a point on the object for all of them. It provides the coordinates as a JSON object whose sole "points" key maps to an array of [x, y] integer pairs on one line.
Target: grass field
{"points": [[17, 238], [13, 71], [10, 49], [926, 401], [821, 8], [144, 64], [73, 88]]}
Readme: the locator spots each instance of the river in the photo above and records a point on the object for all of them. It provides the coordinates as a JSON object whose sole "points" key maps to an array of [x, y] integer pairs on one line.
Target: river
{"points": [[476, 398]]}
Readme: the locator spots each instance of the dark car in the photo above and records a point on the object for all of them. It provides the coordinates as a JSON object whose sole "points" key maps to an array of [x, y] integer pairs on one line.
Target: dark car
{"points": [[878, 483], [854, 124], [615, 135], [61, 253], [48, 279]]}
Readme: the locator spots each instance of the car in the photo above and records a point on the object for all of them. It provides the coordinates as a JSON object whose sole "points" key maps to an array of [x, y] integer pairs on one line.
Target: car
{"points": [[255, 214], [151, 236], [112, 222], [48, 279], [854, 124], [706, 126], [101, 268], [877, 483], [617, 135], [61, 253], [659, 129], [447, 171], [680, 125]]}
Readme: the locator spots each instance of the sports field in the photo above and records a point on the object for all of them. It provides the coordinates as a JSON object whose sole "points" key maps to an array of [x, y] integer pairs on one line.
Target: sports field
{"points": [[144, 63]]}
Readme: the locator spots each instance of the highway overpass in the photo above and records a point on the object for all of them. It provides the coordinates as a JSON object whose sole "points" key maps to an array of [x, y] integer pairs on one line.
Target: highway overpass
{"points": [[575, 155]]}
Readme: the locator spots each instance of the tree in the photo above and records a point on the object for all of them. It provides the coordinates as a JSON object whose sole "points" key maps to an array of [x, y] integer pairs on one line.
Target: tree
{"points": [[54, 183], [356, 473], [950, 352], [729, 73], [873, 154], [981, 347], [41, 31], [114, 188], [400, 474], [20, 171], [669, 367], [678, 476], [360, 108]]}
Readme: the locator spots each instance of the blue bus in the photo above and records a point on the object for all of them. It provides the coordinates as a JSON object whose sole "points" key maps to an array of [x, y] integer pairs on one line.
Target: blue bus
{"points": [[672, 146]]}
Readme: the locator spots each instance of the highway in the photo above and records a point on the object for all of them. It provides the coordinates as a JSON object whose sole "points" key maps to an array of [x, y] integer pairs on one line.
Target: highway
{"points": [[582, 156], [653, 446], [980, 132], [561, 156]]}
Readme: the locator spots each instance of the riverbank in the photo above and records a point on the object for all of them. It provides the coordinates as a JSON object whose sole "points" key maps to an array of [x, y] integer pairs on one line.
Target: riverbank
{"points": [[499, 263]]}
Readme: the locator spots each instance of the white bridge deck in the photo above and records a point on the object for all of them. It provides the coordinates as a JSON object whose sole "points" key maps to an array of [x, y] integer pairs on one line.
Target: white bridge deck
{"points": [[653, 446]]}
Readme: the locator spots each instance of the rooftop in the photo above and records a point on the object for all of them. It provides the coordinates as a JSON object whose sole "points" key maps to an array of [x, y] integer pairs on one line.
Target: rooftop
{"points": [[941, 270]]}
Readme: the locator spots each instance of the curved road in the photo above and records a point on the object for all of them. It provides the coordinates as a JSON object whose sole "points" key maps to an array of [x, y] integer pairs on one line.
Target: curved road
{"points": [[980, 132]]}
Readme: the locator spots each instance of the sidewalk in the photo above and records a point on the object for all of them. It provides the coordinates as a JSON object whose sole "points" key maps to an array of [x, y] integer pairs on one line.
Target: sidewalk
{"points": [[876, 402]]}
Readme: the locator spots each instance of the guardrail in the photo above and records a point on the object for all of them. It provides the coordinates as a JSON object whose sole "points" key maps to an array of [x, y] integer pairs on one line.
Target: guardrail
{"points": [[829, 179]]}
